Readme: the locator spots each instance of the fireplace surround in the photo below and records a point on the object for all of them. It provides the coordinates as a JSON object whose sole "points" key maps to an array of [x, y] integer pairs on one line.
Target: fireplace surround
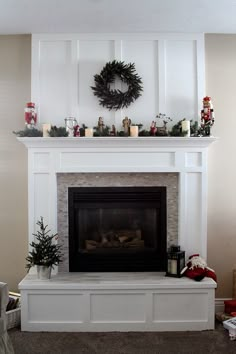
{"points": [[67, 181], [116, 301]]}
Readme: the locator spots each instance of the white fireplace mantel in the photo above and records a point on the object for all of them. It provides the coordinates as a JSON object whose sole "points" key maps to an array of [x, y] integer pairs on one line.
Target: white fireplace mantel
{"points": [[185, 156], [123, 302], [117, 142]]}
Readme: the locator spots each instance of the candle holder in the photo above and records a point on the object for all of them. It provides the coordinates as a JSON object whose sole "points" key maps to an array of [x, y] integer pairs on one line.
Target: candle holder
{"points": [[175, 262]]}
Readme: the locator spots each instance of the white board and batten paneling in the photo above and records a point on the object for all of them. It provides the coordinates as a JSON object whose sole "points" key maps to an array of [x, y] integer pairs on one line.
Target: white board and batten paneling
{"points": [[171, 67], [172, 70]]}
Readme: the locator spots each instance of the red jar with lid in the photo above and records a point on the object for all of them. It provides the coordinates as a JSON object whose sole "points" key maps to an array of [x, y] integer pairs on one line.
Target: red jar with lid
{"points": [[30, 115]]}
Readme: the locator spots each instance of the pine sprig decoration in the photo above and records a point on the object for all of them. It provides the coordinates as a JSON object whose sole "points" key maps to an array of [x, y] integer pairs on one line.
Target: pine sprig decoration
{"points": [[44, 251], [116, 99], [29, 133], [57, 132]]}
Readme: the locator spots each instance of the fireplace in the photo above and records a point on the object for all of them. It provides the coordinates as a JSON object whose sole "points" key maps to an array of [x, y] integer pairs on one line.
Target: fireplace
{"points": [[123, 301], [117, 229], [157, 189]]}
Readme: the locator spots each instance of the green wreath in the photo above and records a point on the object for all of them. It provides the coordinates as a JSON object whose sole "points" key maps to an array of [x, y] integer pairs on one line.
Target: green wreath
{"points": [[116, 99]]}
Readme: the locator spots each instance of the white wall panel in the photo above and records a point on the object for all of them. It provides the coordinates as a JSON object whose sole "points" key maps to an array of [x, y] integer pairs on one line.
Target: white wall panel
{"points": [[117, 307], [181, 79], [144, 54], [41, 198], [92, 55], [57, 307], [170, 65], [193, 210], [168, 307], [55, 89]]}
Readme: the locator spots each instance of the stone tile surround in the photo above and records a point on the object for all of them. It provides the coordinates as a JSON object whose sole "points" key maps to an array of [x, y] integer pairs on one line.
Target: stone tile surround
{"points": [[66, 180]]}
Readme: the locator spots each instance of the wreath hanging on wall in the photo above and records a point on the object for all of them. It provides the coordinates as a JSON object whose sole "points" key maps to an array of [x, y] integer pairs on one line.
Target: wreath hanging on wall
{"points": [[115, 98]]}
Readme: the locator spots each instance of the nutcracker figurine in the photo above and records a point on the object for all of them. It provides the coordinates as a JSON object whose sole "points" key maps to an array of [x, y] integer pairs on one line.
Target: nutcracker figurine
{"points": [[207, 116], [30, 115]]}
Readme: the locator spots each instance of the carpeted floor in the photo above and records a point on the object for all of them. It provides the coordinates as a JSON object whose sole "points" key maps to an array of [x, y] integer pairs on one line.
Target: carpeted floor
{"points": [[205, 342]]}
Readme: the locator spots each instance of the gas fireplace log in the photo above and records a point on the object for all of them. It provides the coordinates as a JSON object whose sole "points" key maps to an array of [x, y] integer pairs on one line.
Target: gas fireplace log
{"points": [[91, 244], [117, 239], [135, 243]]}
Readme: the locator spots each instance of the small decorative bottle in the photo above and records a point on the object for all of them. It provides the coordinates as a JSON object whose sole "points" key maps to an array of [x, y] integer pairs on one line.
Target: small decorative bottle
{"points": [[30, 115]]}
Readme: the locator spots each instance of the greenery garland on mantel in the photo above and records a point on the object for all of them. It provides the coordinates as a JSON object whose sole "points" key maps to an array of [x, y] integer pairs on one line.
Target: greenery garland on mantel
{"points": [[115, 98], [106, 132]]}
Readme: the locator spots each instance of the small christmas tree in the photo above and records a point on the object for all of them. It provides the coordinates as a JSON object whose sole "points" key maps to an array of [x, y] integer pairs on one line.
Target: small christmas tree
{"points": [[44, 252]]}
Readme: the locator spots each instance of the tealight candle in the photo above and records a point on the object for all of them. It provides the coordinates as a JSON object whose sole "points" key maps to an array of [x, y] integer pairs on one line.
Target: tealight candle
{"points": [[89, 132]]}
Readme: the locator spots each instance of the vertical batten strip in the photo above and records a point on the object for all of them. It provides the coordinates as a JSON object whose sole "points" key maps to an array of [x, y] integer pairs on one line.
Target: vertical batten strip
{"points": [[118, 55], [161, 105], [156, 75], [200, 71], [204, 204], [74, 78], [35, 72], [72, 99]]}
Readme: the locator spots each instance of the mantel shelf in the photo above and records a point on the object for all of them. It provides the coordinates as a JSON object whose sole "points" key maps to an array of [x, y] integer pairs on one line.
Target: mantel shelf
{"points": [[117, 142]]}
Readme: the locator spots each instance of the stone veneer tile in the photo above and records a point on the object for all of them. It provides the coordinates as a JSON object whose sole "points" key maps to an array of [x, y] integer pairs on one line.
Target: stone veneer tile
{"points": [[66, 180]]}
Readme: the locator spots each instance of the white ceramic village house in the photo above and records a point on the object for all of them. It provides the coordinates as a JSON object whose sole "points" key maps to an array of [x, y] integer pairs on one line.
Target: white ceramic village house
{"points": [[123, 301]]}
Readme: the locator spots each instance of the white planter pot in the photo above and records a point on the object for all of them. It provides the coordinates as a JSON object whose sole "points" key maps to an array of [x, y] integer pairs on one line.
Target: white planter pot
{"points": [[44, 272]]}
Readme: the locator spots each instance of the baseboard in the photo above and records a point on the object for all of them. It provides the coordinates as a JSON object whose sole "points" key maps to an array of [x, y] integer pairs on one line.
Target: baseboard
{"points": [[219, 304]]}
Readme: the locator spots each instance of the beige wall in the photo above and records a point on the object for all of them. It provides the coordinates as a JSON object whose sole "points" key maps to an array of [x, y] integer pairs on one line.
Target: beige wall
{"points": [[15, 92], [221, 86]]}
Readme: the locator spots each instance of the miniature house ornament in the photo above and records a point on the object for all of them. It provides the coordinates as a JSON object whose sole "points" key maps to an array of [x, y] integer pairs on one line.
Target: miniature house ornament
{"points": [[175, 262]]}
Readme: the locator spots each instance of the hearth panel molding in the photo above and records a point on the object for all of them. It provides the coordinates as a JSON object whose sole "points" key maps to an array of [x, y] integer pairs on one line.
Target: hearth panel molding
{"points": [[97, 302]]}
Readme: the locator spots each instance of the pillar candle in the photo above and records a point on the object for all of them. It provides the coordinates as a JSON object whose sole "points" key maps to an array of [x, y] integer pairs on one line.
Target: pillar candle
{"points": [[134, 130], [46, 128], [186, 126], [89, 132], [173, 269]]}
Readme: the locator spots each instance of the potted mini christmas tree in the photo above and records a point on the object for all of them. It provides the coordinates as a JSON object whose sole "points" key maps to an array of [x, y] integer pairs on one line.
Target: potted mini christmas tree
{"points": [[45, 253]]}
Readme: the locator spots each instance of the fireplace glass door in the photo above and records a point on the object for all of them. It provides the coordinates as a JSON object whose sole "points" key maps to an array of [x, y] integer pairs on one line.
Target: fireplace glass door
{"points": [[117, 229]]}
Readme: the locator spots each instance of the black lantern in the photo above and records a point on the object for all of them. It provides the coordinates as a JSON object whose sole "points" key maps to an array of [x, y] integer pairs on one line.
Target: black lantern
{"points": [[175, 262]]}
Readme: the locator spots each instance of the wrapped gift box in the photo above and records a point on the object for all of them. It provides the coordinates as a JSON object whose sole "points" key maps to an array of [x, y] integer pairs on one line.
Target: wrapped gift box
{"points": [[230, 325], [230, 306]]}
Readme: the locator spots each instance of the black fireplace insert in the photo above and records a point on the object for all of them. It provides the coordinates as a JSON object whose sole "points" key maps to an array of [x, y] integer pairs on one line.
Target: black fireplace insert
{"points": [[117, 229]]}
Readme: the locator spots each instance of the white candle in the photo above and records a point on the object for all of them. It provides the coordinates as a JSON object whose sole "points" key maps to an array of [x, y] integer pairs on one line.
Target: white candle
{"points": [[186, 126], [46, 128], [173, 266], [134, 130], [89, 132]]}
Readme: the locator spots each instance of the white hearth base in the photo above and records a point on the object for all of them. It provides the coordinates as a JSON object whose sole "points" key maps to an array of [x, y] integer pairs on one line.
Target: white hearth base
{"points": [[98, 302]]}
